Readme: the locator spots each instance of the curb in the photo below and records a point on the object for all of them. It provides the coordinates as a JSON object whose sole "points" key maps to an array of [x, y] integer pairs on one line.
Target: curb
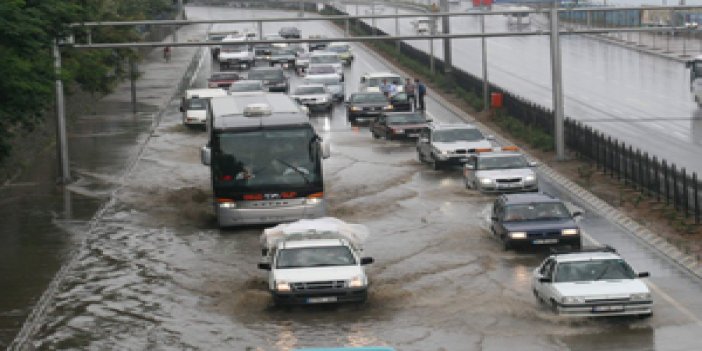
{"points": [[599, 206]]}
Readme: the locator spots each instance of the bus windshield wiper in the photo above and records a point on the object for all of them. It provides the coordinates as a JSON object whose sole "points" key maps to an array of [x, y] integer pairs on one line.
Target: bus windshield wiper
{"points": [[297, 170]]}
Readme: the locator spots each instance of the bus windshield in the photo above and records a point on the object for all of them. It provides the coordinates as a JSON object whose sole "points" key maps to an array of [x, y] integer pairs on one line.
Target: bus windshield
{"points": [[266, 159]]}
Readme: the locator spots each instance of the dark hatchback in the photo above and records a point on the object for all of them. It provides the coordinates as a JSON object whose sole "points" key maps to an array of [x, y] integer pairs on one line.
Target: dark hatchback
{"points": [[289, 32], [400, 125], [535, 219], [366, 105], [273, 78]]}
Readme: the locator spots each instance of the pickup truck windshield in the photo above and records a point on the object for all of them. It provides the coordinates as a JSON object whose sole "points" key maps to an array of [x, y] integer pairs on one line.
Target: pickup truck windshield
{"points": [[315, 257]]}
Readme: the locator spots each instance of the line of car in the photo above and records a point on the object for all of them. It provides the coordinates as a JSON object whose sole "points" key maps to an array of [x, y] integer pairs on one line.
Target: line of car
{"points": [[575, 282]]}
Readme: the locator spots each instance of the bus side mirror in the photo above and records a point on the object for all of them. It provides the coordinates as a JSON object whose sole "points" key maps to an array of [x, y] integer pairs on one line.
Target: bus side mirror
{"points": [[326, 149], [206, 155]]}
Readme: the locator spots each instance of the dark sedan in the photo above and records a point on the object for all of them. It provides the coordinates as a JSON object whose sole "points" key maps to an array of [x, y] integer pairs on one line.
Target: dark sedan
{"points": [[402, 125], [273, 78], [222, 79], [534, 220], [366, 105]]}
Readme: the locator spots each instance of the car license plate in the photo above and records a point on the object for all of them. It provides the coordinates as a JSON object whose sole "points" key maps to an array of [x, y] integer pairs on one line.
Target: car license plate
{"points": [[326, 299], [612, 308], [545, 241]]}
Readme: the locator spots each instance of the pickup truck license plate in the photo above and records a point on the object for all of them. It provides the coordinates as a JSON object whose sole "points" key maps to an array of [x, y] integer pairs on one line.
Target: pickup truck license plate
{"points": [[611, 308], [326, 299], [545, 241]]}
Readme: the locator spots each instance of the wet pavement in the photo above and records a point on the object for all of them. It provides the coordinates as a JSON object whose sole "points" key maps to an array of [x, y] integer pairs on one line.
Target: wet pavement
{"points": [[627, 94], [153, 272]]}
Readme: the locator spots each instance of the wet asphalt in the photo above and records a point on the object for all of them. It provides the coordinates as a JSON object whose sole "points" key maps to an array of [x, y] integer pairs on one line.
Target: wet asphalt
{"points": [[152, 271]]}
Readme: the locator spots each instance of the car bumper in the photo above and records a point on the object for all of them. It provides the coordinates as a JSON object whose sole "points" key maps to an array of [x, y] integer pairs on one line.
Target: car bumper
{"points": [[453, 160], [324, 296], [277, 88], [573, 240], [318, 106], [246, 216], [606, 309], [513, 188]]}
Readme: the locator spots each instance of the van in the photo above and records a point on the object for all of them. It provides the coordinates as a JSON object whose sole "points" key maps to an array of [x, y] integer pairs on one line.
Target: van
{"points": [[194, 105]]}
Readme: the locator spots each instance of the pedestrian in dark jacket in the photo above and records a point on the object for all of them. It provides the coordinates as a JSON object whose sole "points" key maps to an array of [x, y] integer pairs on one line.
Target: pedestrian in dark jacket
{"points": [[410, 89], [421, 92]]}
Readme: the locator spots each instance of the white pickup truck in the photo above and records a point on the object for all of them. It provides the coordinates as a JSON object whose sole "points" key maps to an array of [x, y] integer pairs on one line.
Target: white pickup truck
{"points": [[315, 261]]}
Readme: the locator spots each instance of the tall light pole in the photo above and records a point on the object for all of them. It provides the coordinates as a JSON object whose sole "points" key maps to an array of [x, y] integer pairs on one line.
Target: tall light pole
{"points": [[557, 86], [60, 118], [448, 64], [486, 85]]}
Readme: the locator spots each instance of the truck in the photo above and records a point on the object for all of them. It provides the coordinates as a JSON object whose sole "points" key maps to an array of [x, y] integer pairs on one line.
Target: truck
{"points": [[265, 160], [194, 103], [235, 52], [315, 261]]}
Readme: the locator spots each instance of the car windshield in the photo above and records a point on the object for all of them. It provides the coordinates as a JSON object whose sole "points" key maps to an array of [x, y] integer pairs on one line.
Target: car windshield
{"points": [[369, 98], [374, 82], [266, 74], [216, 37], [338, 48], [502, 162], [323, 80], [245, 86], [321, 70], [324, 59], [283, 52], [451, 135], [309, 90], [322, 256], [410, 118], [266, 159], [591, 270], [536, 211], [197, 104], [224, 76]]}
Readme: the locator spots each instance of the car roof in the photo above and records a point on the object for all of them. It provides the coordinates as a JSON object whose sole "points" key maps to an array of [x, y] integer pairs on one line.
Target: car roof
{"points": [[310, 85], [263, 69], [492, 154], [585, 256], [248, 81], [445, 126], [291, 244], [525, 198]]}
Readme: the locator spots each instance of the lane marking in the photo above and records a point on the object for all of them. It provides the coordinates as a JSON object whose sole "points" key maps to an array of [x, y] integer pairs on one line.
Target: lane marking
{"points": [[682, 309]]}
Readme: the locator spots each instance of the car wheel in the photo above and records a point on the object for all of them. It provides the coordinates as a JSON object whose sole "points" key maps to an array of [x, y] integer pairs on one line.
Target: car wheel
{"points": [[435, 165], [468, 184], [375, 135], [352, 120], [388, 136], [506, 245], [420, 157]]}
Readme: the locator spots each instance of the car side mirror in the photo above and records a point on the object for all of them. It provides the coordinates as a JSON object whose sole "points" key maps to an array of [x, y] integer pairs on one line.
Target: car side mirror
{"points": [[544, 280], [326, 149], [429, 120], [367, 260], [264, 266], [494, 218], [577, 213], [643, 274], [424, 140], [205, 155]]}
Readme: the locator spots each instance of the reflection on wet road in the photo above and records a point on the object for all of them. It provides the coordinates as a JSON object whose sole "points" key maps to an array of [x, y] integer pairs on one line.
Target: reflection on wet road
{"points": [[156, 274]]}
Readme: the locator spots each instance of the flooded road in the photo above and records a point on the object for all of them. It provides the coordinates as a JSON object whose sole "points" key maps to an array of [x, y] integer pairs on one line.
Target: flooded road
{"points": [[154, 273]]}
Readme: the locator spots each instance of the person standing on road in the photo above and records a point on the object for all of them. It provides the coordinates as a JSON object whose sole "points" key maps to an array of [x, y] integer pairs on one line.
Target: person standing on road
{"points": [[167, 53], [410, 90], [384, 87], [421, 91]]}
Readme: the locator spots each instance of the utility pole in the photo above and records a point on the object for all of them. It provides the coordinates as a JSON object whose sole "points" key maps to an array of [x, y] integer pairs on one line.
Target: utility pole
{"points": [[557, 86], [448, 64], [61, 118], [486, 84]]}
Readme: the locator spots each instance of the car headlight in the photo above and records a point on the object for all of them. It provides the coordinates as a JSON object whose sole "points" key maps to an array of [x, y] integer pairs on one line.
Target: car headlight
{"points": [[485, 181], [282, 286], [641, 296], [355, 108], [227, 205], [356, 282], [518, 235], [398, 131], [571, 231], [313, 200], [530, 179], [570, 300], [323, 99], [388, 107]]}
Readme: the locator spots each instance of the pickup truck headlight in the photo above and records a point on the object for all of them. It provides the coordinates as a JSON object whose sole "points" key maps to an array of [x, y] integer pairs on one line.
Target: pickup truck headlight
{"points": [[571, 231], [640, 297], [356, 282], [282, 287], [485, 181], [518, 235], [570, 300]]}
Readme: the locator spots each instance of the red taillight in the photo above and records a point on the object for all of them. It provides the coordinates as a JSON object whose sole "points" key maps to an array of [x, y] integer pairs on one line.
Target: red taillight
{"points": [[223, 200], [288, 194], [252, 197], [316, 195], [226, 178]]}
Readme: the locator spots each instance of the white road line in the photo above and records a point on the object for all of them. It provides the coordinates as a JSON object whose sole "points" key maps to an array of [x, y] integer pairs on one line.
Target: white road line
{"points": [[657, 289]]}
